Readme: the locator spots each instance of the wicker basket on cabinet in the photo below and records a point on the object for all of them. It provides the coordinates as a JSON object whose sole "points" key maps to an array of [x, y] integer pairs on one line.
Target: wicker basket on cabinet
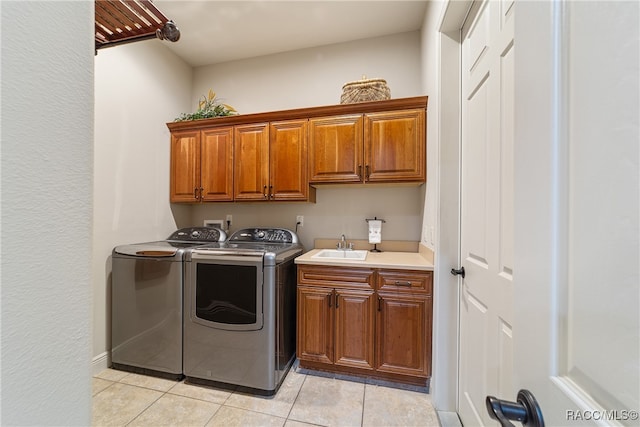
{"points": [[365, 90]]}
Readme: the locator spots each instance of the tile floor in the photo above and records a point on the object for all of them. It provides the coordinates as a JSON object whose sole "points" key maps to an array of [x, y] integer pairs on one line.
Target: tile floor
{"points": [[124, 399]]}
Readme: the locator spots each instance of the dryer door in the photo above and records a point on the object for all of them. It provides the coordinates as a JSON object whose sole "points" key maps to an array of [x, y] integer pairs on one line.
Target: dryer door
{"points": [[226, 291]]}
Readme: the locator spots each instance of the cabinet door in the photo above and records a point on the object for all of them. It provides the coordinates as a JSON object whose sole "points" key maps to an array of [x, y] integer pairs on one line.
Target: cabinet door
{"points": [[216, 165], [315, 324], [251, 162], [354, 317], [335, 153], [394, 148], [404, 334], [288, 160], [185, 167]]}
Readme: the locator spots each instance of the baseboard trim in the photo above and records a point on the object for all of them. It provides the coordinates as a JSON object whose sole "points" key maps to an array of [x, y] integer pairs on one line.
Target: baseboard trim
{"points": [[100, 363]]}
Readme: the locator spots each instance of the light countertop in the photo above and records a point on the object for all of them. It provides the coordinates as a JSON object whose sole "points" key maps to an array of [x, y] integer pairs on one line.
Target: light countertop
{"points": [[400, 260]]}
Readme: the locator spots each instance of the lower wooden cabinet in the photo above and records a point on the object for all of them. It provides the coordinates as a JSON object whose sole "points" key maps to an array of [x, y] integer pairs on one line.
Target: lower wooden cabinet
{"points": [[336, 326], [372, 322], [353, 339], [404, 334], [315, 324]]}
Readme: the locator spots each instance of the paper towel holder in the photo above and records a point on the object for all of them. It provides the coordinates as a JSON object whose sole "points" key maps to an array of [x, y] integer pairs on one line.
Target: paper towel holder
{"points": [[375, 245]]}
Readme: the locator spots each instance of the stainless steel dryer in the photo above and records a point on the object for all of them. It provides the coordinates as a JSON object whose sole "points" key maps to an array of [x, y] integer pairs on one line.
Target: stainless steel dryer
{"points": [[240, 309], [146, 302]]}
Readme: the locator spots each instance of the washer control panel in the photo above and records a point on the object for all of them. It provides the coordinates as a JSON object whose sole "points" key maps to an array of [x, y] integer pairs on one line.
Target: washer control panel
{"points": [[198, 234], [272, 235]]}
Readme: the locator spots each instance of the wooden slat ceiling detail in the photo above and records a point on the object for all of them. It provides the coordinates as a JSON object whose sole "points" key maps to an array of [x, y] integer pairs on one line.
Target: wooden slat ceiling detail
{"points": [[126, 20]]}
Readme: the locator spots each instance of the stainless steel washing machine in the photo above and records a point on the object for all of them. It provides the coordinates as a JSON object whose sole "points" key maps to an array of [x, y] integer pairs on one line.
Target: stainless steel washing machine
{"points": [[147, 301]]}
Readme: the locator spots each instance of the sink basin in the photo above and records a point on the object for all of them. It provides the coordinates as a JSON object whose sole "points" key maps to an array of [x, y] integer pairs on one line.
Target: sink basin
{"points": [[341, 254]]}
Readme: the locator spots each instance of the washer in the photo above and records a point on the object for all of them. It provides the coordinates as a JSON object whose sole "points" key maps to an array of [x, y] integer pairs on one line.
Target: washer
{"points": [[146, 302]]}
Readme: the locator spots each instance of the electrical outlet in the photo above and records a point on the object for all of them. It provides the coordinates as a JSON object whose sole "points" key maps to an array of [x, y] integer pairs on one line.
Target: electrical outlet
{"points": [[216, 223], [300, 220], [229, 218]]}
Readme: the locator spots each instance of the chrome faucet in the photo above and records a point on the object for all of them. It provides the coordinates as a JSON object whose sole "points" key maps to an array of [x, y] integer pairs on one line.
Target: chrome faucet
{"points": [[343, 245]]}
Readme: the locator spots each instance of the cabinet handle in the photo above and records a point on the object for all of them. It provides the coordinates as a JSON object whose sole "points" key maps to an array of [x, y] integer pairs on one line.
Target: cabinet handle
{"points": [[360, 172], [337, 300], [329, 296], [379, 303], [367, 172], [264, 192], [201, 190], [195, 193], [271, 190], [398, 283]]}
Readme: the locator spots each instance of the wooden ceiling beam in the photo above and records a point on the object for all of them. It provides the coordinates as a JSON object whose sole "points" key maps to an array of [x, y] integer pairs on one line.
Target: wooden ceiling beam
{"points": [[120, 20]]}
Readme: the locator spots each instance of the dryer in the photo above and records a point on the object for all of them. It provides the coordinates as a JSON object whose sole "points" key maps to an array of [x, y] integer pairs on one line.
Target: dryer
{"points": [[240, 309]]}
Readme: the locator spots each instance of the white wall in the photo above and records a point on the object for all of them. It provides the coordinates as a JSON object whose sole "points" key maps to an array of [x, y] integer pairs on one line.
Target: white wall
{"points": [[47, 141], [138, 88], [338, 210], [314, 77], [440, 222], [430, 79]]}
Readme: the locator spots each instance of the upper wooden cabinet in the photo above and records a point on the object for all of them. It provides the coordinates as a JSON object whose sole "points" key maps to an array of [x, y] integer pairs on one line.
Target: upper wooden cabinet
{"points": [[185, 166], [372, 147], [251, 162], [277, 155], [201, 165], [271, 161], [394, 148], [288, 176], [336, 149], [216, 165]]}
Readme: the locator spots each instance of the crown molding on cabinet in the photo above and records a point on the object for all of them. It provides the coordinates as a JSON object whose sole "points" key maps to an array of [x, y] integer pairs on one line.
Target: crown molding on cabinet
{"points": [[301, 113]]}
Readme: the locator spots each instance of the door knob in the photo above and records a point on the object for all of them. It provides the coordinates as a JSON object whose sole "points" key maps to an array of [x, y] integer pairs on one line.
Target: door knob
{"points": [[526, 410], [458, 272]]}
